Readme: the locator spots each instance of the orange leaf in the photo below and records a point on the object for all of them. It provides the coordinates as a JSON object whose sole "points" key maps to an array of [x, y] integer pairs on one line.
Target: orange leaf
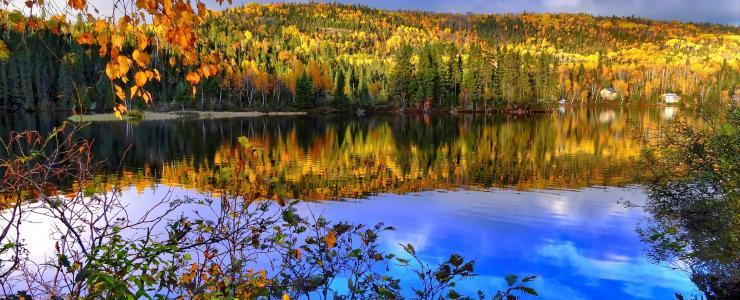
{"points": [[119, 110], [141, 58], [147, 97], [100, 25], [123, 65], [330, 239], [193, 78], [140, 78], [117, 40], [120, 93], [143, 41], [77, 4], [111, 69], [85, 39]]}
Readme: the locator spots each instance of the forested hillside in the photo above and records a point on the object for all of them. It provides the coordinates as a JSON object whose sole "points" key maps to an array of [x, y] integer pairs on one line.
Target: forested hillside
{"points": [[306, 56]]}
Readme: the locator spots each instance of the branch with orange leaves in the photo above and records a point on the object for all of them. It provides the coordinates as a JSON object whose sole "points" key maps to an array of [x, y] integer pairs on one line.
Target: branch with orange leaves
{"points": [[126, 40]]}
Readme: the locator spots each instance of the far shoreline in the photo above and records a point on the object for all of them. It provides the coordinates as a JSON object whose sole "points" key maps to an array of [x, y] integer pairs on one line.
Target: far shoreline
{"points": [[176, 115], [202, 115]]}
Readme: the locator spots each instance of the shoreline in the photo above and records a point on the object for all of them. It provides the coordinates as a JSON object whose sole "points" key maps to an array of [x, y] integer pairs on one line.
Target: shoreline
{"points": [[200, 115], [179, 115]]}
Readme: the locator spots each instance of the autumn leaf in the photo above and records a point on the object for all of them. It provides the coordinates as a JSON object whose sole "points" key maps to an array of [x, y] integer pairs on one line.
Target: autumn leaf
{"points": [[330, 239], [143, 41], [77, 4], [120, 93], [120, 110], [100, 26], [193, 78], [111, 69], [85, 39], [124, 64], [142, 59], [140, 78], [147, 97], [201, 7], [117, 40], [297, 253]]}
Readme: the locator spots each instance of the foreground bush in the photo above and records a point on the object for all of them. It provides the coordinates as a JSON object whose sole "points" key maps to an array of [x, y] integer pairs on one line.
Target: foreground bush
{"points": [[244, 244]]}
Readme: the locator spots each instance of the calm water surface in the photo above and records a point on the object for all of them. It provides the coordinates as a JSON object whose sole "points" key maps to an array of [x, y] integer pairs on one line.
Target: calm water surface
{"points": [[537, 195]]}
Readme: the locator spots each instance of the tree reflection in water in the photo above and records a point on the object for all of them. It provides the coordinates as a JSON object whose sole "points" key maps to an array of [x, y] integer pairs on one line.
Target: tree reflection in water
{"points": [[236, 246]]}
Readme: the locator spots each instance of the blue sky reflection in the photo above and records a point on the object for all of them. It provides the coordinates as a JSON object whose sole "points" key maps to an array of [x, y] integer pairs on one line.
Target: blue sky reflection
{"points": [[582, 245]]}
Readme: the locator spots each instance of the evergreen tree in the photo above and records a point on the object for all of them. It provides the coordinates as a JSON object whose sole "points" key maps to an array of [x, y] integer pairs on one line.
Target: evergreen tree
{"points": [[304, 95], [402, 75], [340, 98]]}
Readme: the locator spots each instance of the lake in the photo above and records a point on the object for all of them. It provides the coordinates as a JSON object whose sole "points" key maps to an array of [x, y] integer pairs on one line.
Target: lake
{"points": [[541, 194]]}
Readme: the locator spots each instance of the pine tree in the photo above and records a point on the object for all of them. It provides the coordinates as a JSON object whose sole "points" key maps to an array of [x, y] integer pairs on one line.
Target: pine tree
{"points": [[340, 98], [402, 76], [304, 94]]}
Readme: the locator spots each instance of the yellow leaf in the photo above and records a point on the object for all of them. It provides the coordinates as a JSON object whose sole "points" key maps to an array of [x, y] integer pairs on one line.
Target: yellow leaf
{"points": [[100, 25], [330, 239], [141, 58], [117, 40], [119, 111], [143, 41], [111, 69], [123, 65], [147, 97], [140, 78], [120, 93]]}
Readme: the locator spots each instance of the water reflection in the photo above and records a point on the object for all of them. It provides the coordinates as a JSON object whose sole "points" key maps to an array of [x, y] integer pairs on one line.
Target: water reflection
{"points": [[581, 244], [432, 178], [320, 158]]}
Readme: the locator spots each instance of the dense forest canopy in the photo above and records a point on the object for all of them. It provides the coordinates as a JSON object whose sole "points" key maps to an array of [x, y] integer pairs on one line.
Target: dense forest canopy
{"points": [[305, 56]]}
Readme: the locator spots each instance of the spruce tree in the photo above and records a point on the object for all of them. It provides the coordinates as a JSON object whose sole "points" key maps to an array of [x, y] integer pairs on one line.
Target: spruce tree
{"points": [[304, 95], [402, 75]]}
